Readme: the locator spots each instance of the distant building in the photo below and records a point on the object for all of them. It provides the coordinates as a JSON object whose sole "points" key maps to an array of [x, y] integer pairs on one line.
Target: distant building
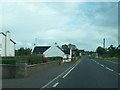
{"points": [[7, 45], [53, 51]]}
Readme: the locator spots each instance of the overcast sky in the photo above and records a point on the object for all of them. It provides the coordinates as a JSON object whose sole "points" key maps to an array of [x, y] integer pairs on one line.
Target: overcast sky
{"points": [[84, 24]]}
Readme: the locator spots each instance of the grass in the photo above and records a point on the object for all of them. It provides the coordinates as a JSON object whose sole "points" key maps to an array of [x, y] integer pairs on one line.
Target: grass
{"points": [[114, 59]]}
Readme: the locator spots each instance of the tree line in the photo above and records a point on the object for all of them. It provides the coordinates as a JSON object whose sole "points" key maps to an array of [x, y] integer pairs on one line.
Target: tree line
{"points": [[111, 51], [27, 51]]}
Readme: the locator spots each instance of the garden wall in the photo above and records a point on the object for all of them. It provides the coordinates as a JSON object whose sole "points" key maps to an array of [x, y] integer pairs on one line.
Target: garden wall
{"points": [[21, 70]]}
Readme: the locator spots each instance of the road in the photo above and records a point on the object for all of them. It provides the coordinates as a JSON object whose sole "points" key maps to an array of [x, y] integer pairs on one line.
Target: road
{"points": [[85, 73], [91, 74]]}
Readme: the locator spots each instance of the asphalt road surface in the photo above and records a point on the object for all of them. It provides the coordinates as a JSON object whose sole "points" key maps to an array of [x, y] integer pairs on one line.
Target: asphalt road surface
{"points": [[91, 74], [85, 73]]}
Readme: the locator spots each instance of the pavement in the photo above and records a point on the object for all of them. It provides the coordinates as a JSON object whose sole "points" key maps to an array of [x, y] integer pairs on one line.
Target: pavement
{"points": [[85, 73]]}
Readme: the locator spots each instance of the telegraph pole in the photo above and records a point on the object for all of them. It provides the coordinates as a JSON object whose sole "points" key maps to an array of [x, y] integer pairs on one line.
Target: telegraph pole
{"points": [[104, 43]]}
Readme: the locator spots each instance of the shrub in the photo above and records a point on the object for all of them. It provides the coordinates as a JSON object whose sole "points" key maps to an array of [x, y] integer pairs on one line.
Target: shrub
{"points": [[13, 60], [33, 59]]}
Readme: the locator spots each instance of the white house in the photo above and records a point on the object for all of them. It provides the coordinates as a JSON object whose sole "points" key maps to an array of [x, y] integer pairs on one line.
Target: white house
{"points": [[53, 51], [7, 45]]}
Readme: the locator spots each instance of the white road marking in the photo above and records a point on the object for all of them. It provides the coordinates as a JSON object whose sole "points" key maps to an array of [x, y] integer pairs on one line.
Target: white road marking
{"points": [[101, 65], [108, 68], [55, 84], [111, 61], [68, 72], [98, 63], [57, 77]]}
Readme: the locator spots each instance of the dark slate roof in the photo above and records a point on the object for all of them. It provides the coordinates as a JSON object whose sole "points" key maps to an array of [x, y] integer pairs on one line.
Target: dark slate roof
{"points": [[40, 49], [12, 41], [2, 33]]}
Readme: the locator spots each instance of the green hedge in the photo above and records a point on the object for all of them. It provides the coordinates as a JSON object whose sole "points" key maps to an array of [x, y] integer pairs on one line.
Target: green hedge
{"points": [[13, 60], [34, 59], [31, 59]]}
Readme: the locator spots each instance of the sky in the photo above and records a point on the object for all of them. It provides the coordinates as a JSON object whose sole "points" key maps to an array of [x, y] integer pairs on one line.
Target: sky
{"points": [[83, 24]]}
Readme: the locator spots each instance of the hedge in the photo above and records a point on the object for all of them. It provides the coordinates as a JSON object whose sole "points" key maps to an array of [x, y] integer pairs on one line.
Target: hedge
{"points": [[30, 59]]}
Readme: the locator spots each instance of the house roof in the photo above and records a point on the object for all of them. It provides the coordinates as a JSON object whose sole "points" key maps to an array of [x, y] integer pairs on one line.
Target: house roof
{"points": [[12, 41], [40, 49], [5, 36], [2, 33]]}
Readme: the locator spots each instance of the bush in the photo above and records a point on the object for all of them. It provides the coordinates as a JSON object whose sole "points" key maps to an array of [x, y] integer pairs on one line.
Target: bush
{"points": [[13, 60], [33, 59]]}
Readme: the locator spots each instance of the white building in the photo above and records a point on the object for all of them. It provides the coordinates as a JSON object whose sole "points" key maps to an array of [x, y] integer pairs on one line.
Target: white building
{"points": [[7, 45], [53, 51]]}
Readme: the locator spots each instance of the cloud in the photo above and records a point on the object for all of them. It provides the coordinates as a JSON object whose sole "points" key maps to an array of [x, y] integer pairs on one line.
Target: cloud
{"points": [[59, 0], [83, 24]]}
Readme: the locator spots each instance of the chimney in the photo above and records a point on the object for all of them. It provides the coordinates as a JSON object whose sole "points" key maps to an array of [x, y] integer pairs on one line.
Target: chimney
{"points": [[7, 43]]}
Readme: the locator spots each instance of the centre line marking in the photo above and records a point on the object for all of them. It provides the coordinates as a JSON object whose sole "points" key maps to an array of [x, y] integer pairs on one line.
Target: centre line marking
{"points": [[109, 69], [55, 85], [57, 77]]}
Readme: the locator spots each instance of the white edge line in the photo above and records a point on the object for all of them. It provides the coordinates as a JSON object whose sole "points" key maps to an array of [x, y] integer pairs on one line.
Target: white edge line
{"points": [[112, 62], [68, 72], [57, 77], [55, 84], [109, 69], [102, 65], [98, 63]]}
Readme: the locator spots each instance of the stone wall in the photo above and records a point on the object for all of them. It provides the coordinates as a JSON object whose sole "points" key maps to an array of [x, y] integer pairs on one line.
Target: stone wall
{"points": [[21, 70], [14, 71]]}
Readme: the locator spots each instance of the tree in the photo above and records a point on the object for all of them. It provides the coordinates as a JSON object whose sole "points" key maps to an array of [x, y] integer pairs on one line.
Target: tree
{"points": [[65, 47], [101, 51], [75, 51], [23, 51], [71, 46], [112, 51]]}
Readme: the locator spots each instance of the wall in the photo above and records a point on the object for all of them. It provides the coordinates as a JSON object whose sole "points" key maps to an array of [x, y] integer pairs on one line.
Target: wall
{"points": [[7, 47], [8, 43], [21, 70], [2, 46], [14, 71], [12, 49], [53, 51]]}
